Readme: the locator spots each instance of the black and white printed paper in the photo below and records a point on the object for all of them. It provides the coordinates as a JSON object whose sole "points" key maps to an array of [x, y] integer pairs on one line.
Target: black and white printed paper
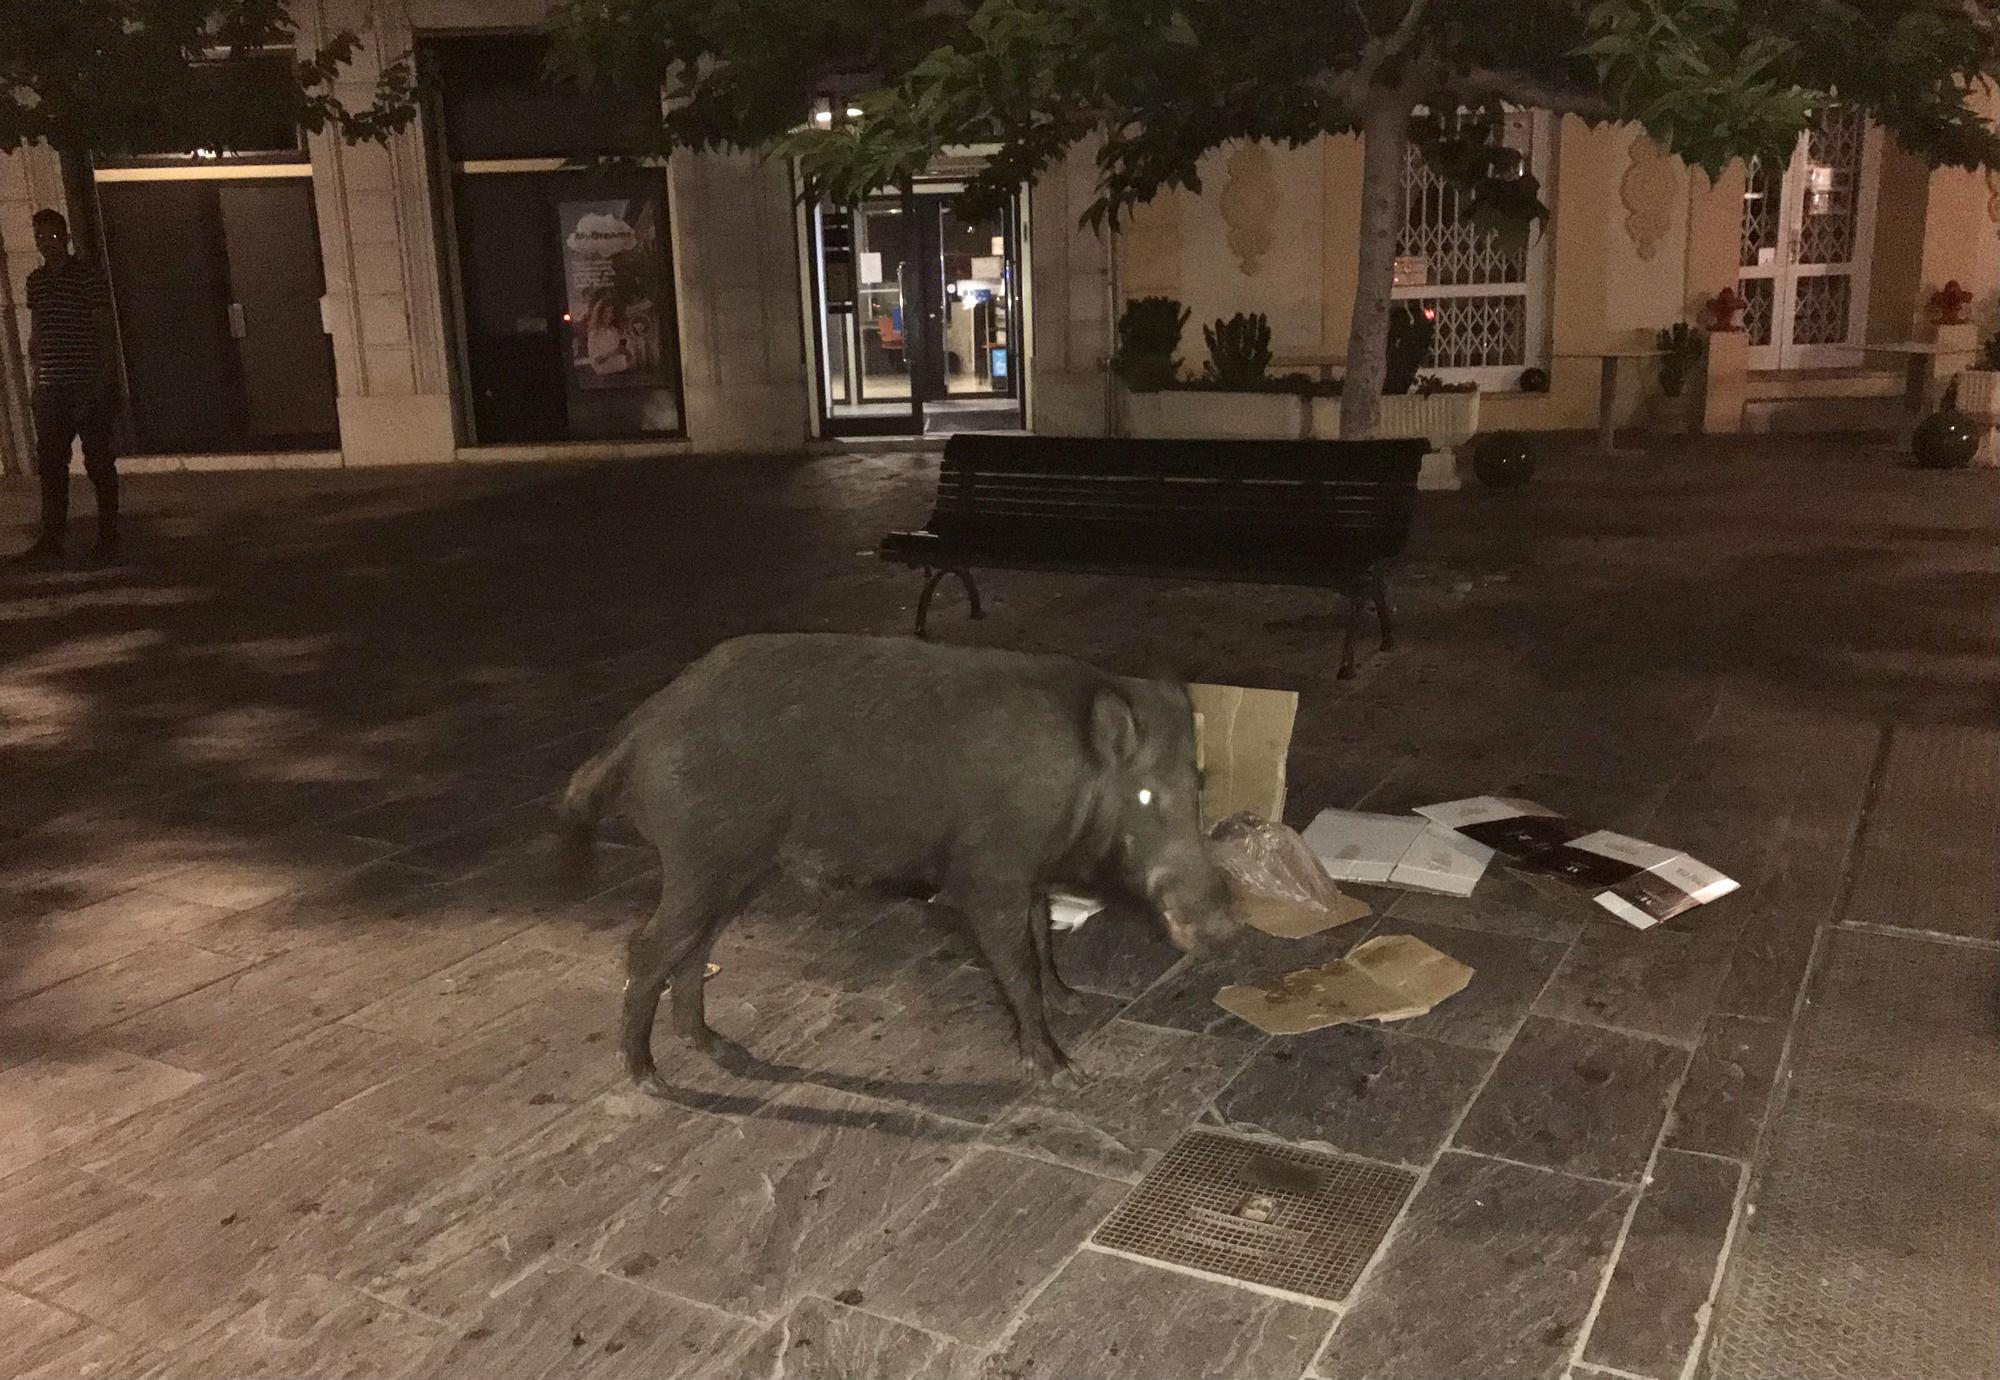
{"points": [[1641, 883]]}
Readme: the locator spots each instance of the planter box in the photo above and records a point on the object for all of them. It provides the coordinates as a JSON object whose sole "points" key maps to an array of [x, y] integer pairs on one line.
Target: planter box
{"points": [[1979, 399], [1446, 420], [1196, 415]]}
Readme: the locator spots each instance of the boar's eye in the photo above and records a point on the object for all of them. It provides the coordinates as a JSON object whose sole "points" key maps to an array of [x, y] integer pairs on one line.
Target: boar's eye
{"points": [[1145, 795]]}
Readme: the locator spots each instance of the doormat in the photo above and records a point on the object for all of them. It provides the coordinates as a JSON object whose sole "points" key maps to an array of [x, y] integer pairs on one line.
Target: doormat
{"points": [[1298, 1222]]}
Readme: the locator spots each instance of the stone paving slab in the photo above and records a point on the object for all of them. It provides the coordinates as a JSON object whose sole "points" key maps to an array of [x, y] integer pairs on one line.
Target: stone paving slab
{"points": [[305, 744]]}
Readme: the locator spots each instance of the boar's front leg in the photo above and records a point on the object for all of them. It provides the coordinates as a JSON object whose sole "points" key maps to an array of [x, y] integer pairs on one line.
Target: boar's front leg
{"points": [[1055, 991], [1001, 917]]}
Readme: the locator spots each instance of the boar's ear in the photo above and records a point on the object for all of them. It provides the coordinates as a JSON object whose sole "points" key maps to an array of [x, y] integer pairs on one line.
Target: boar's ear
{"points": [[1113, 730]]}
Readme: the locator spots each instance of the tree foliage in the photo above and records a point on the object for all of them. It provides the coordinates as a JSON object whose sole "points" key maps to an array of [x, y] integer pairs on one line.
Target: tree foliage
{"points": [[1161, 82], [120, 76]]}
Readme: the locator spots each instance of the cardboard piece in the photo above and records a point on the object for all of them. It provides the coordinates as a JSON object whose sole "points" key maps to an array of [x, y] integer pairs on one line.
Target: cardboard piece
{"points": [[1242, 737], [1641, 883], [1392, 977], [1286, 917], [1396, 850]]}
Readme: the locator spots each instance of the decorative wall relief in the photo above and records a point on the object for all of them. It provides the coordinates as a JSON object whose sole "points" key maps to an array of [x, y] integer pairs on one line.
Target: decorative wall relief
{"points": [[1150, 243], [1250, 206], [1651, 182]]}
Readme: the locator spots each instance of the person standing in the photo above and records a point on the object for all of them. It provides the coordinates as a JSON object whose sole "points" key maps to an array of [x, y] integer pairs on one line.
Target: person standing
{"points": [[73, 373]]}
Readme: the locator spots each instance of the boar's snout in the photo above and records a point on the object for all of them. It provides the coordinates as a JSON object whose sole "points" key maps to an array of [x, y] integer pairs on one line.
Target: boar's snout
{"points": [[1194, 904]]}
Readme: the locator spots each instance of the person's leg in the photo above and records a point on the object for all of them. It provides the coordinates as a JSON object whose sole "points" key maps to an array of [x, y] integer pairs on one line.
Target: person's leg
{"points": [[100, 462], [54, 427]]}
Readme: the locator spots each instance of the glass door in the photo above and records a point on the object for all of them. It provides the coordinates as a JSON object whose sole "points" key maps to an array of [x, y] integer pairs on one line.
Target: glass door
{"points": [[916, 309], [1808, 231]]}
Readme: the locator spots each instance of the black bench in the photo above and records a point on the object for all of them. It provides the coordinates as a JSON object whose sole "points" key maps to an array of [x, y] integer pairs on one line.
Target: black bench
{"points": [[1323, 514]]}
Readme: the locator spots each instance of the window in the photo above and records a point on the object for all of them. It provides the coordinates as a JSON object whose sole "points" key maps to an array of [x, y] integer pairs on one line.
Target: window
{"points": [[500, 102], [242, 112], [1491, 303]]}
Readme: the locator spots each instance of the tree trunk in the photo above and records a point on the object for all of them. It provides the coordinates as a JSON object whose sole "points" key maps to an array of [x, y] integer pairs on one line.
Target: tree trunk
{"points": [[1385, 140], [86, 236]]}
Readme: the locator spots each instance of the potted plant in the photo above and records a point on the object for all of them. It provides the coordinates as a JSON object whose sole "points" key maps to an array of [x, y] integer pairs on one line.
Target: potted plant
{"points": [[1683, 349], [1979, 398], [1239, 351], [1149, 338], [1415, 404]]}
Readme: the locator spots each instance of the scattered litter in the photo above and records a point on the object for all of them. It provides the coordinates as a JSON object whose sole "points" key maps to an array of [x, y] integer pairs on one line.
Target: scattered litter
{"points": [[1641, 883], [1276, 882], [1396, 850], [1242, 737], [1392, 977], [1067, 911]]}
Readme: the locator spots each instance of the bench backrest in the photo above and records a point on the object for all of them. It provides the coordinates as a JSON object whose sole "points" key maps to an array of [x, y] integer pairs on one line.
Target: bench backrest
{"points": [[1218, 504]]}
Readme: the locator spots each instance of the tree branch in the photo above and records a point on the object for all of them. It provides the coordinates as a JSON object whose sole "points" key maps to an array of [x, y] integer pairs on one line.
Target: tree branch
{"points": [[1527, 90], [1348, 91]]}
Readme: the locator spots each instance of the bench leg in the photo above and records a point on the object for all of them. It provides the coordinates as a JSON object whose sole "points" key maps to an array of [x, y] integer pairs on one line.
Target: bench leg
{"points": [[971, 592], [1355, 600], [932, 579], [1382, 611]]}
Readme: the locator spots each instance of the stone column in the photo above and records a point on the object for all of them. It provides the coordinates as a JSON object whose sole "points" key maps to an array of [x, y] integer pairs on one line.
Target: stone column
{"points": [[384, 306], [1714, 254], [1069, 312], [737, 298]]}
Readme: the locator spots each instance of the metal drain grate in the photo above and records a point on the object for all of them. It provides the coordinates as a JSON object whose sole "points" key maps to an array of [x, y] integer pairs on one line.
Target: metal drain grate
{"points": [[1273, 1215]]}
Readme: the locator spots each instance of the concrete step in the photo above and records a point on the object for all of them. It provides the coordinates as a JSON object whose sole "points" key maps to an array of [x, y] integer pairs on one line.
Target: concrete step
{"points": [[1862, 414]]}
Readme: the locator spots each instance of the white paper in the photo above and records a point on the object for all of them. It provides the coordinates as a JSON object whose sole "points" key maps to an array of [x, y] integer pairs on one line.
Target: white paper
{"points": [[1441, 860], [1067, 911], [871, 268], [1358, 847], [1625, 910], [1638, 852], [1696, 878], [1480, 809], [1396, 850]]}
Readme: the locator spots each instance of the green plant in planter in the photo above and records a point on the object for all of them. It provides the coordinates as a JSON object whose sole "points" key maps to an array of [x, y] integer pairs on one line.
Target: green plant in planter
{"points": [[1149, 338], [1239, 350], [1681, 347]]}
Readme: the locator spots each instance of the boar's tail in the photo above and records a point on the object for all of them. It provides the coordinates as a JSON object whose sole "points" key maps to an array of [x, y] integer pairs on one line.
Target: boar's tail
{"points": [[590, 788]]}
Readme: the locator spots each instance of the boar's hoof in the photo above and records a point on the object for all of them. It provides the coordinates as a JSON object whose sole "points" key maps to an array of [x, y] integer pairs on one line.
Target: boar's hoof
{"points": [[1050, 1065], [651, 1084]]}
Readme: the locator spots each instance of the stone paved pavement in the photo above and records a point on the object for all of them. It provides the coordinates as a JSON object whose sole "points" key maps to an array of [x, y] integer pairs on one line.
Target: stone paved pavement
{"points": [[304, 1065]]}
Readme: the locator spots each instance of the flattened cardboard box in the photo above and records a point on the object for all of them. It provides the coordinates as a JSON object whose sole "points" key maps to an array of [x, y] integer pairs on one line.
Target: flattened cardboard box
{"points": [[1242, 737]]}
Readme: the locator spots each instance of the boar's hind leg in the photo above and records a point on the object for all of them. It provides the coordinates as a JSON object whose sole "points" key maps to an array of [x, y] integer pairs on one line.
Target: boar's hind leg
{"points": [[1001, 918], [672, 946]]}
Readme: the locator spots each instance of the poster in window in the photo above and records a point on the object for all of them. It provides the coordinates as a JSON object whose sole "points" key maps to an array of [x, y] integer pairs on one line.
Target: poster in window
{"points": [[612, 273]]}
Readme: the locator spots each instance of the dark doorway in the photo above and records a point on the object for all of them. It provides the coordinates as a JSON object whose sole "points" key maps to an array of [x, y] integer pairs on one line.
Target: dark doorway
{"points": [[218, 285], [568, 305]]}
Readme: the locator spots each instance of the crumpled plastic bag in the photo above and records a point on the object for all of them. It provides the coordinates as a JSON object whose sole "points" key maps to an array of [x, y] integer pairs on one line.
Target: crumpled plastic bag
{"points": [[1277, 883]]}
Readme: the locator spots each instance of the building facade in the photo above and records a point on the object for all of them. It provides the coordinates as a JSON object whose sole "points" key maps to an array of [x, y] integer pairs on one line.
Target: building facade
{"points": [[466, 293]]}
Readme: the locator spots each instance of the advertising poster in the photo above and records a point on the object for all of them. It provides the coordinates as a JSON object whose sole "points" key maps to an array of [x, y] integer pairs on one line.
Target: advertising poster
{"points": [[612, 275]]}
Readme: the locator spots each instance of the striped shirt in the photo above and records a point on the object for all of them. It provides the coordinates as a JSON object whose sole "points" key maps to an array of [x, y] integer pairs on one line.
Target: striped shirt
{"points": [[63, 301]]}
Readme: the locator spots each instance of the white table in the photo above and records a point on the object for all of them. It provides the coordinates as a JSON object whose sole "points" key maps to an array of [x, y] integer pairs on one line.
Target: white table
{"points": [[1607, 389]]}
